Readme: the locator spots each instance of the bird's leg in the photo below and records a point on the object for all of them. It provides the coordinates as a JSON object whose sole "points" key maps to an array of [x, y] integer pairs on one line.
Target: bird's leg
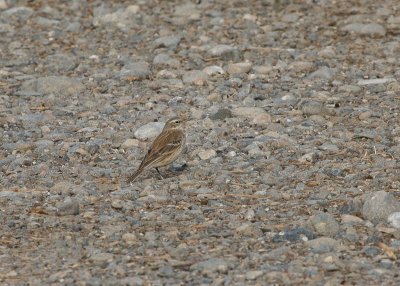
{"points": [[158, 171]]}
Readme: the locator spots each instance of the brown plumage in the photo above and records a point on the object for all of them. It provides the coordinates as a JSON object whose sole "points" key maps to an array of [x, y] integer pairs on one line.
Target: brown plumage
{"points": [[165, 148]]}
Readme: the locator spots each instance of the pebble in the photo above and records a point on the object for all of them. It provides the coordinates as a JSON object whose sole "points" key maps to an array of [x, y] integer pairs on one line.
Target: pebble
{"points": [[312, 108], [54, 85], [238, 68], [370, 29], [323, 245], [353, 89], [225, 52], [213, 70], [257, 114], [3, 5], [296, 234], [301, 67], [117, 204], [170, 42], [195, 77], [324, 73], [346, 218], [222, 114], [207, 154], [375, 81], [325, 224], [253, 275], [135, 70], [394, 219], [122, 18], [165, 60], [100, 258], [248, 229], [18, 12], [68, 207], [130, 238], [378, 206], [212, 265], [265, 69], [129, 143], [149, 130]]}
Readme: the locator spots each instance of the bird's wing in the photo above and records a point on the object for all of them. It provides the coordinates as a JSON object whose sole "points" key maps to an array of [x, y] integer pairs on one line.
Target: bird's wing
{"points": [[163, 146]]}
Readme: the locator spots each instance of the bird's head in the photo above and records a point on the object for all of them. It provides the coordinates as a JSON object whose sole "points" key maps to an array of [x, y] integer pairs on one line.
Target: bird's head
{"points": [[175, 123]]}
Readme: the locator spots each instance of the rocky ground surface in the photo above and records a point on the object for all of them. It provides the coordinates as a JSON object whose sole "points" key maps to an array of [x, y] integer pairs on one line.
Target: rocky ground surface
{"points": [[293, 150]]}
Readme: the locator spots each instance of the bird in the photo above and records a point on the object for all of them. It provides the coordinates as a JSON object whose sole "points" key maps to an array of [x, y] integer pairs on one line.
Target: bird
{"points": [[167, 146]]}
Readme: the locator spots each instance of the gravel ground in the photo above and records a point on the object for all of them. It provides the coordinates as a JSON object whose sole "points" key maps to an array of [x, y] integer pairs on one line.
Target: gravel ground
{"points": [[293, 149]]}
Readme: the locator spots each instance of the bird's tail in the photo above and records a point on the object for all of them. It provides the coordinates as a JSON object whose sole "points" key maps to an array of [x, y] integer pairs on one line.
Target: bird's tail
{"points": [[132, 177]]}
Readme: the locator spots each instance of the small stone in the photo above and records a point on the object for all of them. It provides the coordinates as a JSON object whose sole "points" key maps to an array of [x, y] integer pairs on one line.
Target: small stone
{"points": [[323, 72], [252, 113], [325, 224], [117, 204], [18, 12], [371, 29], [352, 89], [253, 275], [100, 258], [263, 69], [374, 81], [129, 143], [250, 17], [3, 4], [254, 150], [189, 184], [248, 229], [301, 67], [394, 219], [310, 107], [379, 206], [329, 147], [135, 70], [212, 70], [200, 191], [309, 158], [131, 281], [195, 77], [250, 215], [323, 244], [168, 42], [296, 234], [222, 114], [290, 17], [165, 60], [365, 115], [207, 154], [54, 85], [239, 68], [212, 265], [262, 119], [68, 207], [129, 238], [346, 218], [45, 129], [149, 130], [327, 52], [122, 18], [225, 52], [371, 251], [11, 273], [62, 187], [61, 62]]}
